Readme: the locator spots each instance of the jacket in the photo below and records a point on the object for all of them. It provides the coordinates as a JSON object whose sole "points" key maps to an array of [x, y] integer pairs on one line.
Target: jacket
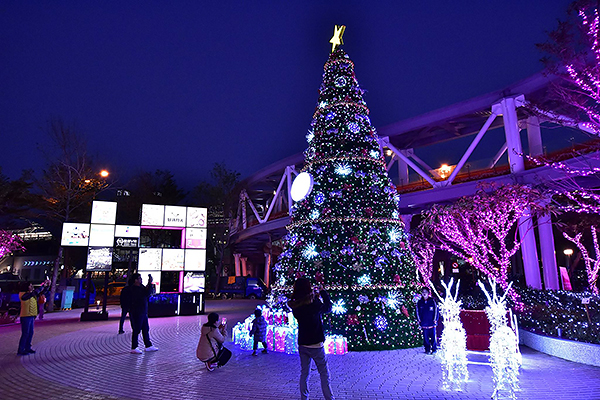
{"points": [[138, 297], [308, 313], [125, 298], [259, 329], [29, 304], [208, 349], [427, 313]]}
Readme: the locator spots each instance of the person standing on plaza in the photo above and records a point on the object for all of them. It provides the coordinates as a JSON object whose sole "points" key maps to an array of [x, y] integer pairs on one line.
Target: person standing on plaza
{"points": [[125, 301], [259, 331], [307, 308], [138, 312], [427, 316], [41, 303], [210, 348], [29, 310]]}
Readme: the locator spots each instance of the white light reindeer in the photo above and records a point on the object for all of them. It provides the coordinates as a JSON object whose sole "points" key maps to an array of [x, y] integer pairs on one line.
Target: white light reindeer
{"points": [[453, 346], [504, 343]]}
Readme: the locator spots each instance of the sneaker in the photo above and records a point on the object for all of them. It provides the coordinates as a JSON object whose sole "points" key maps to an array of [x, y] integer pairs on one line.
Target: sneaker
{"points": [[254, 353], [121, 332], [209, 366], [264, 351], [152, 348], [136, 351]]}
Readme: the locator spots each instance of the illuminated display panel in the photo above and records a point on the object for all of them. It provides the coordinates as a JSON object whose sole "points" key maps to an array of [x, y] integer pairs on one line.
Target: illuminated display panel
{"points": [[195, 238], [197, 217], [155, 278], [175, 216], [150, 259], [153, 215], [99, 259], [193, 282], [127, 231], [173, 259], [75, 234], [195, 260], [102, 235], [104, 212]]}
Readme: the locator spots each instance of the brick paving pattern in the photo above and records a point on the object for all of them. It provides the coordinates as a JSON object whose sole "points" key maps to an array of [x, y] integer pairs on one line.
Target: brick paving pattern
{"points": [[90, 361]]}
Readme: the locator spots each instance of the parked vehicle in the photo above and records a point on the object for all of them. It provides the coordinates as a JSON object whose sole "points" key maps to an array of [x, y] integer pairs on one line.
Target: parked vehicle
{"points": [[241, 286]]}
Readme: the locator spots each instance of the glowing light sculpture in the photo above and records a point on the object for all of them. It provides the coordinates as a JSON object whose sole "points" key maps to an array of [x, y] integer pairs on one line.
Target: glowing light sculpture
{"points": [[505, 355], [453, 344]]}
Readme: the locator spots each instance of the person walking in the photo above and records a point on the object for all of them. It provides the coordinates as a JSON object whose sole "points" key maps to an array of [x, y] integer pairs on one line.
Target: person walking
{"points": [[138, 312], [427, 316], [210, 348], [125, 302], [29, 310], [307, 309], [259, 331]]}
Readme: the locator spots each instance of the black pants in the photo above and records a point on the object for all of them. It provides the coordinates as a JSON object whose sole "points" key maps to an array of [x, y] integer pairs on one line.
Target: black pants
{"points": [[139, 323], [429, 339], [124, 312]]}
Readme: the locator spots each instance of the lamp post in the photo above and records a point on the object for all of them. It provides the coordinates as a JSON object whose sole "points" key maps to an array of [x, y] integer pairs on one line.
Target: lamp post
{"points": [[568, 253]]}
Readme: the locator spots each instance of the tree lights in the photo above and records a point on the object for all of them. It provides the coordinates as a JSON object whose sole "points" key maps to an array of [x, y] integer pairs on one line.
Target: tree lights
{"points": [[504, 344], [592, 265], [9, 242], [481, 228], [347, 230], [453, 346]]}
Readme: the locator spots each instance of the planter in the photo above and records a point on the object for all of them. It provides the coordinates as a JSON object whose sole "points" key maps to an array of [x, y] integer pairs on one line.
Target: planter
{"points": [[584, 353]]}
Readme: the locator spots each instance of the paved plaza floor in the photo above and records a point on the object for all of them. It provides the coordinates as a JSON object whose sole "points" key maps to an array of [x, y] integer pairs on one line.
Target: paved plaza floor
{"points": [[89, 360]]}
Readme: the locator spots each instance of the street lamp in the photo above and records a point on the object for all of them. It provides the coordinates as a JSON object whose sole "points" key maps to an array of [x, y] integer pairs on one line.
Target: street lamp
{"points": [[104, 173]]}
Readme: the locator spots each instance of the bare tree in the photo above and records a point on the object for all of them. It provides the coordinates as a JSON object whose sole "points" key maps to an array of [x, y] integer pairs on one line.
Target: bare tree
{"points": [[68, 184]]}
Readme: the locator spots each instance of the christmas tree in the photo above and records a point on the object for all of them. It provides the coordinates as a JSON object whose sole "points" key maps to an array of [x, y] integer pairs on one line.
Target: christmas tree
{"points": [[345, 231]]}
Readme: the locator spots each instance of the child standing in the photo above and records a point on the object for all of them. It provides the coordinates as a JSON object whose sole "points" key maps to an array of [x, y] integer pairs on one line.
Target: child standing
{"points": [[259, 331]]}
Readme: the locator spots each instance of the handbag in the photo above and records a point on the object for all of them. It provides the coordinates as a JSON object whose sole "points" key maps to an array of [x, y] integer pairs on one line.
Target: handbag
{"points": [[223, 355]]}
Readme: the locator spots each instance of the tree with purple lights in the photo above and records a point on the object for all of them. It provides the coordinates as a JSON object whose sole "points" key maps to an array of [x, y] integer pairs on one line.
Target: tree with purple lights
{"points": [[573, 54], [9, 242], [345, 231], [482, 229], [592, 265], [422, 250]]}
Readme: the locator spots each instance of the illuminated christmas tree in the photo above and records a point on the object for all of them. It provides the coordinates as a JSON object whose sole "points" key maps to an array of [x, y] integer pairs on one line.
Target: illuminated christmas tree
{"points": [[345, 231]]}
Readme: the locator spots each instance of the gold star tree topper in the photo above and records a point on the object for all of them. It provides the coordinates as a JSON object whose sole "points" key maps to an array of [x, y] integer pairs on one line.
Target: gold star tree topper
{"points": [[337, 40]]}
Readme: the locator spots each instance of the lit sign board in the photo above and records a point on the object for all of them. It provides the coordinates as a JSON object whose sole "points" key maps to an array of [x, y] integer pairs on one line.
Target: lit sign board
{"points": [[196, 217], [99, 259], [125, 242], [195, 260], [195, 238], [153, 215], [102, 235], [127, 231], [74, 234], [175, 216], [150, 259], [173, 259], [104, 212], [193, 282]]}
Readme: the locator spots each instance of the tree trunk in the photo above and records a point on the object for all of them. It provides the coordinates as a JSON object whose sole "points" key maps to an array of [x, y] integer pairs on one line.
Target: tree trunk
{"points": [[55, 270]]}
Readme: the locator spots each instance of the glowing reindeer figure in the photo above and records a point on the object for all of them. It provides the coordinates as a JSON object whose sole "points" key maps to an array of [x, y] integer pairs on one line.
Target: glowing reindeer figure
{"points": [[504, 343], [453, 346]]}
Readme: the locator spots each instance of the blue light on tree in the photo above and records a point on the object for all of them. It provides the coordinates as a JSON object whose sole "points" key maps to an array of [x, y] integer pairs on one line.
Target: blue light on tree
{"points": [[343, 169], [381, 323], [310, 251], [339, 307], [309, 136], [364, 280], [395, 234], [314, 214], [393, 300], [374, 153]]}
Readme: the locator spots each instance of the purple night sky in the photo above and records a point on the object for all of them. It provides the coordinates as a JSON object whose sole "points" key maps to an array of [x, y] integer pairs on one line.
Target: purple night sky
{"points": [[182, 85]]}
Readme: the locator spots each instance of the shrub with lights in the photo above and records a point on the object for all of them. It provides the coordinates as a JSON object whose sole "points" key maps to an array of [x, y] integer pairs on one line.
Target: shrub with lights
{"points": [[345, 231]]}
